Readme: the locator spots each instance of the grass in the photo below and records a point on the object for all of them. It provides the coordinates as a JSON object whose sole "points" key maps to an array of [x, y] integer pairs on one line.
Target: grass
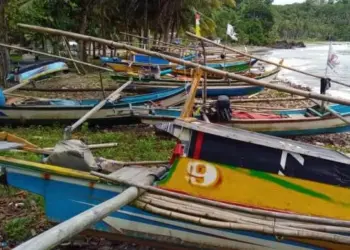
{"points": [[134, 144]]}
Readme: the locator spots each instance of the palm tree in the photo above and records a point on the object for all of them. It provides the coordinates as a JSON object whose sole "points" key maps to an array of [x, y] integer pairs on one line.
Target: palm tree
{"points": [[4, 56]]}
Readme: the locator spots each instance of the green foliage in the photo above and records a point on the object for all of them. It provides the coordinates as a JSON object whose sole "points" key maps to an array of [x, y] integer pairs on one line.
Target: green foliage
{"points": [[17, 228], [133, 144], [164, 17], [318, 20]]}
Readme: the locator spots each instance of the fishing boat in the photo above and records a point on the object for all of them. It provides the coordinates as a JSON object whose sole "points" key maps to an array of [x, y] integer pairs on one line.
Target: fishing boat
{"points": [[235, 66], [291, 122], [214, 88], [139, 62], [202, 201], [36, 71], [26, 111]]}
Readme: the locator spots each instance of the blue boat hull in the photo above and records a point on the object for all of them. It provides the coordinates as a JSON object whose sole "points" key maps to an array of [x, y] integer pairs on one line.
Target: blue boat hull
{"points": [[66, 197], [213, 91]]}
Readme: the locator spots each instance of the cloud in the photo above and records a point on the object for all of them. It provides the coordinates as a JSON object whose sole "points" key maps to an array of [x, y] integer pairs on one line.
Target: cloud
{"points": [[283, 2]]}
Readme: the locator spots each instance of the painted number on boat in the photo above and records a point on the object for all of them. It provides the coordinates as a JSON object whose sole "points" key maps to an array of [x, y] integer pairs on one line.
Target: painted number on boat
{"points": [[202, 174]]}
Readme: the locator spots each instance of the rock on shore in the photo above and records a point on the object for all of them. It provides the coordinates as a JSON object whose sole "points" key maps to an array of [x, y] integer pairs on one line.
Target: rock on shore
{"points": [[287, 45]]}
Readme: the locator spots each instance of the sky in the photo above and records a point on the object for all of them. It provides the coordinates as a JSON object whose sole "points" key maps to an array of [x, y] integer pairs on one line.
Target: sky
{"points": [[282, 2]]}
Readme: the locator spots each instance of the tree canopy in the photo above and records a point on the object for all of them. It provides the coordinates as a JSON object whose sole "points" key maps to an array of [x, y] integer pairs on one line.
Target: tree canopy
{"points": [[314, 19]]}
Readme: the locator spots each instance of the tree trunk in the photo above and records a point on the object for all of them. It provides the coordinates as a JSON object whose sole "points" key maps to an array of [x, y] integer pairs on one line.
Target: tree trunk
{"points": [[4, 55], [172, 31], [83, 28], [93, 50]]}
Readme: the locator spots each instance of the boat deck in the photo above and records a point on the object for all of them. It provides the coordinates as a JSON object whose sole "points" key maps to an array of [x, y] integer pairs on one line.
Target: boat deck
{"points": [[265, 140], [136, 174], [5, 145]]}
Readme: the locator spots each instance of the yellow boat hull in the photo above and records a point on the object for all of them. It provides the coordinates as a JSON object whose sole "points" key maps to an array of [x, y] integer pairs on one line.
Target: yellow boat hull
{"points": [[257, 189]]}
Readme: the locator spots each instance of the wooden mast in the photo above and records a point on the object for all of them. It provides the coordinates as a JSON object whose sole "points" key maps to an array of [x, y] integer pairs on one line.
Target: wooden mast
{"points": [[224, 74]]}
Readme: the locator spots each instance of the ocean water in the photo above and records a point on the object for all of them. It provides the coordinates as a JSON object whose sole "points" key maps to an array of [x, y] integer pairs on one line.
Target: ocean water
{"points": [[313, 59]]}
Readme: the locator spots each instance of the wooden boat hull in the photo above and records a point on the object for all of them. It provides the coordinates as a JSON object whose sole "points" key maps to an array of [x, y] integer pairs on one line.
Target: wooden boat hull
{"points": [[133, 67], [79, 191], [121, 112], [236, 147], [236, 67], [213, 89], [278, 127], [228, 183], [38, 70]]}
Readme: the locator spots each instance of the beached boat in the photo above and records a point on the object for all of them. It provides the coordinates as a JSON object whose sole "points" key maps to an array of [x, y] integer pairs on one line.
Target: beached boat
{"points": [[236, 67], [36, 71], [293, 122], [26, 111], [203, 201], [214, 88]]}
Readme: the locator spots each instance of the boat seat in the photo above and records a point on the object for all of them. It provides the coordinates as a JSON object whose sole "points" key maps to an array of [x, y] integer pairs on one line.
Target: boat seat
{"points": [[12, 100], [313, 112]]}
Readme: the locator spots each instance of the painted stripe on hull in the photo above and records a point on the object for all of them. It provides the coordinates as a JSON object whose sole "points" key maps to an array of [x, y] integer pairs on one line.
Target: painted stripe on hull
{"points": [[62, 196]]}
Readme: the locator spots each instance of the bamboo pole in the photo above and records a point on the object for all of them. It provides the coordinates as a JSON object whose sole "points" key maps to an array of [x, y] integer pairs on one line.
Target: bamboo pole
{"points": [[299, 233], [232, 216], [111, 98], [70, 54], [187, 63], [54, 56], [96, 146], [257, 107], [28, 97], [204, 89], [66, 90], [17, 86], [141, 163], [218, 204], [78, 223], [259, 58], [268, 100]]}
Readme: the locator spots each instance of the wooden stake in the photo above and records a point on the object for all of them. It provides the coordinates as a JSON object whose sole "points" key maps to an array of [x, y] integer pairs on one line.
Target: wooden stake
{"points": [[259, 58], [188, 107], [224, 74], [70, 54], [102, 87]]}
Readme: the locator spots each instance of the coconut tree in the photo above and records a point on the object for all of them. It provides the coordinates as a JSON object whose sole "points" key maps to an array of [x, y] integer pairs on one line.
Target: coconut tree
{"points": [[4, 56]]}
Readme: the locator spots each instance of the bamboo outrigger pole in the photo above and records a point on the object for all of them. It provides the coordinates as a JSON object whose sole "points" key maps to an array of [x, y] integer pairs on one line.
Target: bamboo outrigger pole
{"points": [[80, 222], [224, 74], [111, 98], [55, 56], [259, 58]]}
